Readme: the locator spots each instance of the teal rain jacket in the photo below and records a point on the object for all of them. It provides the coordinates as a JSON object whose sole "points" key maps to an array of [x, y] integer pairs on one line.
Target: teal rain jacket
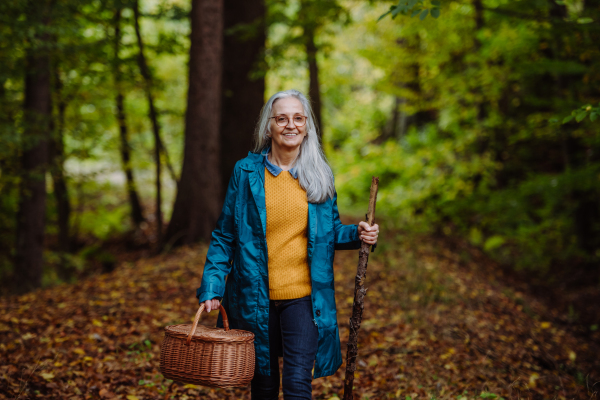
{"points": [[238, 252]]}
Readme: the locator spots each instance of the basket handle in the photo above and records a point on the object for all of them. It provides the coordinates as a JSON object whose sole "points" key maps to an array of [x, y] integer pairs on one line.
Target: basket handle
{"points": [[197, 318]]}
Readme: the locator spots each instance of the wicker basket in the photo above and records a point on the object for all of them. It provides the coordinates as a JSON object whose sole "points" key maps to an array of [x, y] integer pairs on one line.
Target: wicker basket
{"points": [[208, 356]]}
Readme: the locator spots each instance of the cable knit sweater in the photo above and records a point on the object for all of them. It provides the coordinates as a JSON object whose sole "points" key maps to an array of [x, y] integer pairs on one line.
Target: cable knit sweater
{"points": [[287, 223]]}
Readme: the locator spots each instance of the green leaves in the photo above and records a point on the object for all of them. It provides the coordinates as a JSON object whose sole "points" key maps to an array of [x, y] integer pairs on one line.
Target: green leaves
{"points": [[382, 16], [414, 8], [582, 112], [493, 242], [584, 20], [581, 116]]}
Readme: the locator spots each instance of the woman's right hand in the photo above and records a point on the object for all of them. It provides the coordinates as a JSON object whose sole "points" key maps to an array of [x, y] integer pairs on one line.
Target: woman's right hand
{"points": [[210, 305]]}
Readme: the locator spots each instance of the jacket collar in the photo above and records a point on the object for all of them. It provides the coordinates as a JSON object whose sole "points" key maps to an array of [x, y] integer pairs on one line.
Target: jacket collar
{"points": [[275, 169], [258, 161], [252, 162]]}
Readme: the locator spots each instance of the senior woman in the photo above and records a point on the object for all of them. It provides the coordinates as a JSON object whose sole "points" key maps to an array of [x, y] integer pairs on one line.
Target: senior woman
{"points": [[275, 242]]}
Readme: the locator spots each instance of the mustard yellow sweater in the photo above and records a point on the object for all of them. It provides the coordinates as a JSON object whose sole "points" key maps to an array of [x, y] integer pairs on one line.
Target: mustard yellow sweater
{"points": [[287, 226]]}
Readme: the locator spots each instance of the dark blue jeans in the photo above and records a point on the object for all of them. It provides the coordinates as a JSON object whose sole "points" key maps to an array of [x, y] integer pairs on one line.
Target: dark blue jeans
{"points": [[293, 333]]}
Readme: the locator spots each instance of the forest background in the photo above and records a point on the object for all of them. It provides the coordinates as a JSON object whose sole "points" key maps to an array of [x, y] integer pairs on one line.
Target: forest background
{"points": [[121, 121], [480, 122]]}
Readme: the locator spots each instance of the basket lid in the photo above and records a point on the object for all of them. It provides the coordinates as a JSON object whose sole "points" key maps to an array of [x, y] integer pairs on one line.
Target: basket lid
{"points": [[209, 333]]}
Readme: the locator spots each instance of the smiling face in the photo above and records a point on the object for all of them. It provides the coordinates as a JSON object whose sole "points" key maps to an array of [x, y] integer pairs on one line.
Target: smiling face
{"points": [[290, 137]]}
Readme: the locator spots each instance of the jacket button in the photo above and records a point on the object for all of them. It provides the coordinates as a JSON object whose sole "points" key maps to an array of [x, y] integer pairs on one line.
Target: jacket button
{"points": [[318, 313]]}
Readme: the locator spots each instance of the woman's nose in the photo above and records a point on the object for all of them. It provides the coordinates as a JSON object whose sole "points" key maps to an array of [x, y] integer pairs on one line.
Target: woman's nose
{"points": [[290, 124]]}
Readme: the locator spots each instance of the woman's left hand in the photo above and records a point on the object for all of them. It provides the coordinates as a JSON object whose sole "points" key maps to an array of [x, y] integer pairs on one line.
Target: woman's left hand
{"points": [[368, 234]]}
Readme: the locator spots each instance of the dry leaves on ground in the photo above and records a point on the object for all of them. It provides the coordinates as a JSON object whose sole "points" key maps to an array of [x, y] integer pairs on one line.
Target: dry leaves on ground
{"points": [[431, 329]]}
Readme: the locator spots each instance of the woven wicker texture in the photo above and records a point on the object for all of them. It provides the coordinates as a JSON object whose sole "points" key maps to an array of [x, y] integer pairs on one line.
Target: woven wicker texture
{"points": [[208, 333], [210, 356]]}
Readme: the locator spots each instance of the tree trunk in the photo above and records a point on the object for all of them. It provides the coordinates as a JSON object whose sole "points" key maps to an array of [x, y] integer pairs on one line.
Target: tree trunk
{"points": [[136, 209], [34, 164], [313, 71], [57, 161], [479, 25], [198, 202], [145, 71], [243, 81], [398, 118]]}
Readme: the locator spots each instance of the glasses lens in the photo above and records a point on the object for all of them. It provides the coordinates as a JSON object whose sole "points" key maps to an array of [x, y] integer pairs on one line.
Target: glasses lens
{"points": [[299, 120], [281, 120]]}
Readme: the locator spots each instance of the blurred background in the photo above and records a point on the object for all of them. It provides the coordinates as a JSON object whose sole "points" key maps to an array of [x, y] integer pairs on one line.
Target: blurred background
{"points": [[120, 123]]}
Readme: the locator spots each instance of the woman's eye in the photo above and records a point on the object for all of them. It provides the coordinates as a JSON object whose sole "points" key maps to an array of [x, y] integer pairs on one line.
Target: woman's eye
{"points": [[298, 119], [280, 119]]}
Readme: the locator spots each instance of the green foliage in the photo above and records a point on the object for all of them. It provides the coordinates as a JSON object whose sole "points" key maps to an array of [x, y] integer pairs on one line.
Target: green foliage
{"points": [[488, 395], [475, 156], [414, 8], [83, 98], [581, 113], [288, 24]]}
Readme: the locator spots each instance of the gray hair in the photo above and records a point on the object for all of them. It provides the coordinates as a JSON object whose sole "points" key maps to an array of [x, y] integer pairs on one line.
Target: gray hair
{"points": [[314, 173]]}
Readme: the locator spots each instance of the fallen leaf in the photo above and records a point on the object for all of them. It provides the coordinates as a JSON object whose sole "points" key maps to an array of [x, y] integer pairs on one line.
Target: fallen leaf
{"points": [[106, 394], [532, 380], [47, 375]]}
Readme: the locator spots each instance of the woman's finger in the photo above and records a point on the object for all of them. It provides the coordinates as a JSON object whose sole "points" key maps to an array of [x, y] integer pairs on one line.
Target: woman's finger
{"points": [[363, 226], [369, 234], [211, 305]]}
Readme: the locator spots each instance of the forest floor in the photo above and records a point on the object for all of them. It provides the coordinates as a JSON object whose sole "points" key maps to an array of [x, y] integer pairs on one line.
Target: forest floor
{"points": [[436, 325]]}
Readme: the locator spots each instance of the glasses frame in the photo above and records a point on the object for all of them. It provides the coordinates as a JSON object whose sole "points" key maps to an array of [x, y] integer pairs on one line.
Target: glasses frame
{"points": [[288, 120]]}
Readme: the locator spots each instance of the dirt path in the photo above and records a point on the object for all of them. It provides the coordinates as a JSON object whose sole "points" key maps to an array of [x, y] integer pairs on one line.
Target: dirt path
{"points": [[431, 329]]}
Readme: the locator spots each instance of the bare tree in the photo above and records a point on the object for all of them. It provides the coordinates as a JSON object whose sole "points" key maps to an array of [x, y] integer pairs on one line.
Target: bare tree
{"points": [[134, 202]]}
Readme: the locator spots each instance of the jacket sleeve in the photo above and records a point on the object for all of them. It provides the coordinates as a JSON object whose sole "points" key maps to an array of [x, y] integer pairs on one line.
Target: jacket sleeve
{"points": [[219, 257], [346, 236]]}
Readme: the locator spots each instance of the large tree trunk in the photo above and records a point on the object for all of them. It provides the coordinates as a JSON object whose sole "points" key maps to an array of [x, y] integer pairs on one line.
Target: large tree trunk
{"points": [[145, 71], [243, 81], [34, 164], [136, 209], [314, 90], [198, 203]]}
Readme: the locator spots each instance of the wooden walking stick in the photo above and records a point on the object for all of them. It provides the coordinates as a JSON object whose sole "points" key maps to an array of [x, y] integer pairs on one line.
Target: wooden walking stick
{"points": [[359, 298]]}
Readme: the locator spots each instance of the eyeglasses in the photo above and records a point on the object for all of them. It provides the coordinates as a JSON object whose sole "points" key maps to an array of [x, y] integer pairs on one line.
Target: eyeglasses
{"points": [[282, 120]]}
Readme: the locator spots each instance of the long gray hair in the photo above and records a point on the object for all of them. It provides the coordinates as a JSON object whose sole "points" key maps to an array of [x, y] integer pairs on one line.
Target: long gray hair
{"points": [[314, 173]]}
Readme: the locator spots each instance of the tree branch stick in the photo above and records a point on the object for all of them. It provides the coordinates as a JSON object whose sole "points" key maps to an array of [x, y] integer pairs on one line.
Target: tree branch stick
{"points": [[359, 298]]}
